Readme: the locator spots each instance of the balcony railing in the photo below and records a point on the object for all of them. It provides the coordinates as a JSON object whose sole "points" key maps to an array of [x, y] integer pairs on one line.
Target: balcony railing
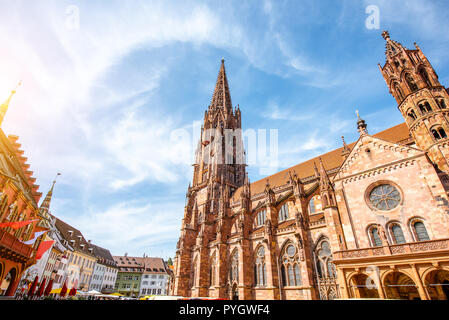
{"points": [[396, 249], [14, 247]]}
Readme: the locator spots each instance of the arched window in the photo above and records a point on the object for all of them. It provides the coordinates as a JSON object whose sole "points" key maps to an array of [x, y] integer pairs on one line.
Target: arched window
{"points": [[291, 275], [420, 231], [439, 133], [234, 272], [398, 235], [441, 103], [259, 267], [374, 236], [425, 76], [312, 209], [399, 92], [412, 115], [323, 259], [260, 218], [283, 213], [212, 270], [193, 273], [411, 83], [427, 106]]}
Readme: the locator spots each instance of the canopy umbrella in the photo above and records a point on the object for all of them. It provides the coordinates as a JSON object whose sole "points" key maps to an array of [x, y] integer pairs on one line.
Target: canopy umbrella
{"points": [[33, 287], [40, 292], [116, 294], [72, 292], [48, 289], [63, 291], [93, 292]]}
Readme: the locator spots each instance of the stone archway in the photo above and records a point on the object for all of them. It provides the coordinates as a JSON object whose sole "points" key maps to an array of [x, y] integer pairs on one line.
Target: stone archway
{"points": [[398, 285], [362, 287], [8, 282], [437, 284]]}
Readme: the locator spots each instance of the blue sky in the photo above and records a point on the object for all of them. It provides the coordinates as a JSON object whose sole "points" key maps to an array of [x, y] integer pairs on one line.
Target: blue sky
{"points": [[101, 99]]}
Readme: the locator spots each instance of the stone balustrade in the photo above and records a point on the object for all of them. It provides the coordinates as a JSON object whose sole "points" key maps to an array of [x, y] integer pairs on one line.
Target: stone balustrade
{"points": [[396, 249]]}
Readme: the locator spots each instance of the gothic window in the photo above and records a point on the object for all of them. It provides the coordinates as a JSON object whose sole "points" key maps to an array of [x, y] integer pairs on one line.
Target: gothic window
{"points": [[259, 268], [420, 231], [397, 234], [439, 133], [290, 270], [442, 104], [212, 270], [193, 273], [283, 213], [427, 106], [385, 197], [323, 259], [412, 115], [234, 272], [411, 83], [399, 92], [425, 76], [374, 237], [260, 218], [312, 206]]}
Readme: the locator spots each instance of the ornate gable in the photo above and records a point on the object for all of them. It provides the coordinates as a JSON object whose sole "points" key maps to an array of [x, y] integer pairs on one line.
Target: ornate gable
{"points": [[370, 153]]}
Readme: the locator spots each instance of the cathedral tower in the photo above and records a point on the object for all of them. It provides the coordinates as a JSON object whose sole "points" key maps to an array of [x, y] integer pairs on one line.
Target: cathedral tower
{"points": [[421, 99], [218, 171]]}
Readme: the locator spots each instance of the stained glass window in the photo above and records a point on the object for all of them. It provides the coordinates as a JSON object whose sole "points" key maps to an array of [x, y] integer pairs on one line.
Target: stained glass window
{"points": [[375, 236], [283, 213], [385, 197], [398, 234], [421, 232]]}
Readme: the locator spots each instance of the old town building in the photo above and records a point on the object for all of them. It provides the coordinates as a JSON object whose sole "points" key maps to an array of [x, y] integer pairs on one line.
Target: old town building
{"points": [[140, 276], [19, 199], [105, 271], [367, 220], [81, 261]]}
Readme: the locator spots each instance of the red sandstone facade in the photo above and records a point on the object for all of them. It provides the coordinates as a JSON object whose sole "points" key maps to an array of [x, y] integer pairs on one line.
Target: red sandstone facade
{"points": [[18, 202], [368, 220]]}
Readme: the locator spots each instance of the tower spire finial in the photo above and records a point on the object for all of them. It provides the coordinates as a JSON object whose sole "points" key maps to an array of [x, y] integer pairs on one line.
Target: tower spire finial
{"points": [[361, 124], [5, 105], [386, 35]]}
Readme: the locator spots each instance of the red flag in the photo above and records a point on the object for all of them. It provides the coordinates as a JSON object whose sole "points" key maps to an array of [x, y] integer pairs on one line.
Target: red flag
{"points": [[17, 224], [64, 289], [41, 288], [33, 287], [43, 247], [49, 287]]}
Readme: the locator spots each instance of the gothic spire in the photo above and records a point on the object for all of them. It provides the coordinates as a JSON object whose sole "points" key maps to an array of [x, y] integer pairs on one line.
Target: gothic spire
{"points": [[5, 105], [346, 151], [45, 205], [325, 183], [221, 97], [391, 47]]}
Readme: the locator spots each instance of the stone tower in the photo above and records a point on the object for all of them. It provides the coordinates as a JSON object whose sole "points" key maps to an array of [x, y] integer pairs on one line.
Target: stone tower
{"points": [[421, 99], [218, 171]]}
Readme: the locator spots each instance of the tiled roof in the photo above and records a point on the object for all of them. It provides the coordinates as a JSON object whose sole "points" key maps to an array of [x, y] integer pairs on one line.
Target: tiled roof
{"points": [[331, 160], [103, 255], [74, 237], [142, 264]]}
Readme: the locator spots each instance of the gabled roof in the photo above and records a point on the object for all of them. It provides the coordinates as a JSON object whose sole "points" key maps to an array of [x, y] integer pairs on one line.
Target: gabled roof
{"points": [[103, 255], [332, 160], [74, 237], [145, 264]]}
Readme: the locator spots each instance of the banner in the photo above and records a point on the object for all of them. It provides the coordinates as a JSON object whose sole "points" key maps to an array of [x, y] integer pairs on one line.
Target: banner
{"points": [[17, 224], [36, 235], [43, 247]]}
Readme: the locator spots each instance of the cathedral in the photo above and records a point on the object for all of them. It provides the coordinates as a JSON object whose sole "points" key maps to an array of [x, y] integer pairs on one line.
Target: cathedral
{"points": [[367, 220]]}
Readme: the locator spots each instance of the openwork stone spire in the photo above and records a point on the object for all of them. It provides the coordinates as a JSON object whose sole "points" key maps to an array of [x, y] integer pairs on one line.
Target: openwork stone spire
{"points": [[221, 97]]}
